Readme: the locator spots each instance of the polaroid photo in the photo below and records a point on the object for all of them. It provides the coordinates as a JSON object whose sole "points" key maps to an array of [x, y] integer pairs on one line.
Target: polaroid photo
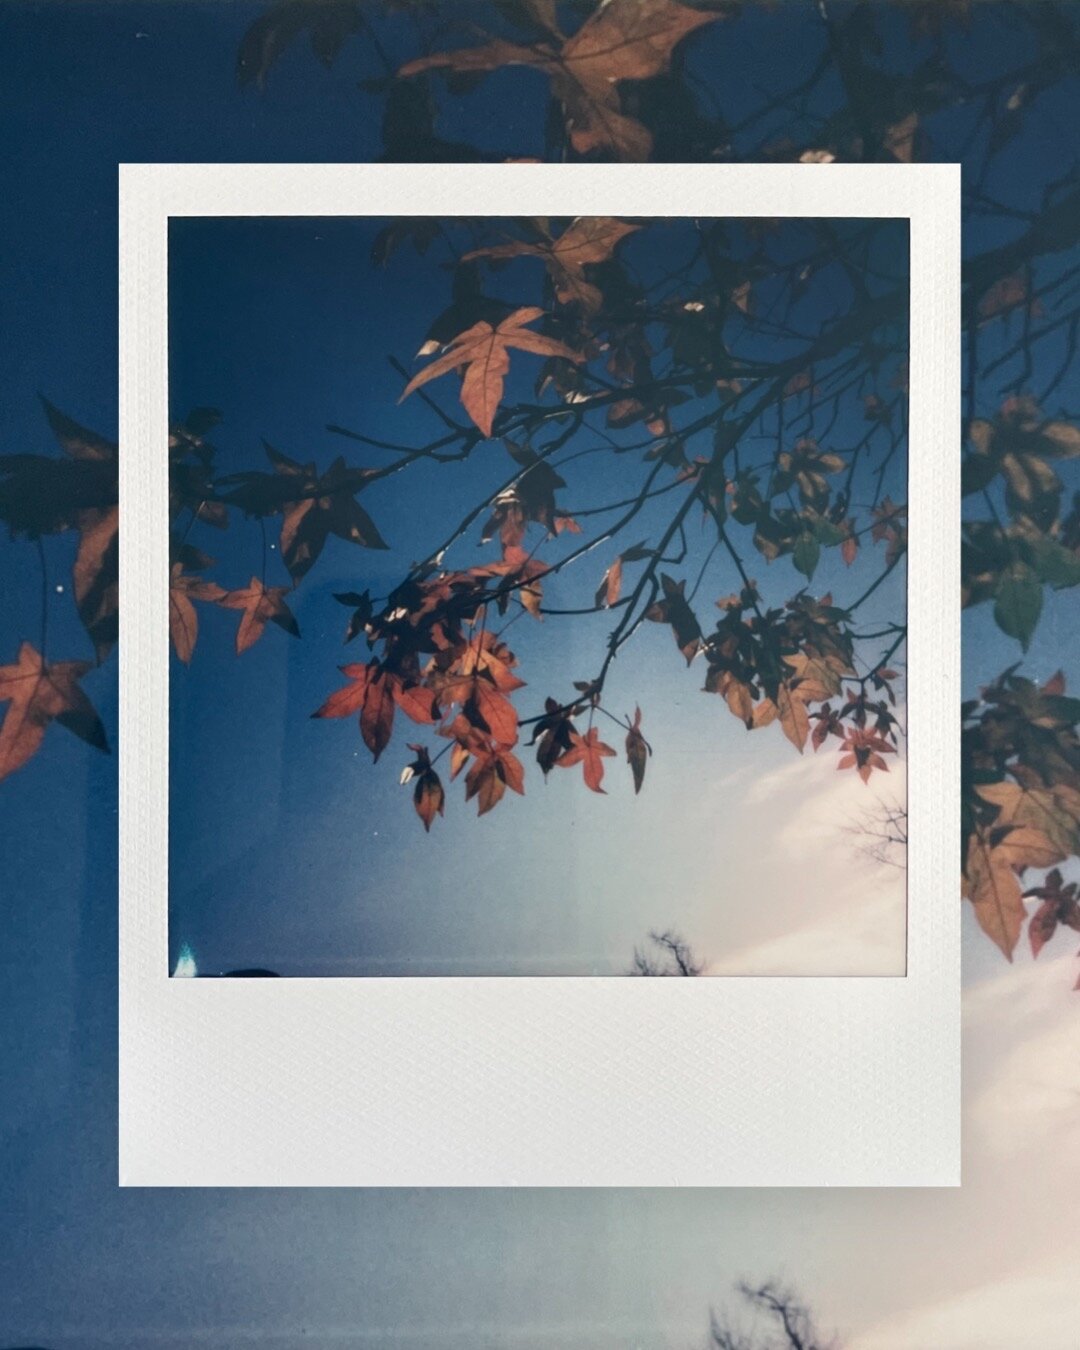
{"points": [[540, 664]]}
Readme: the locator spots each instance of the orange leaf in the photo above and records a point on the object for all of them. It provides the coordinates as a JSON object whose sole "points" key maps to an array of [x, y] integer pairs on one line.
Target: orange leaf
{"points": [[259, 605], [590, 752], [483, 350], [41, 692]]}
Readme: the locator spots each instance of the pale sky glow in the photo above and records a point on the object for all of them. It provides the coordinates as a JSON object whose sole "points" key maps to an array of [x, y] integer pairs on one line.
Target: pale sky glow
{"points": [[832, 910]]}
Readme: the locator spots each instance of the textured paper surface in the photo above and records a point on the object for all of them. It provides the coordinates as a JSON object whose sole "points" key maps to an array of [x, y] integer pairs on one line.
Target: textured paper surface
{"points": [[543, 1081]]}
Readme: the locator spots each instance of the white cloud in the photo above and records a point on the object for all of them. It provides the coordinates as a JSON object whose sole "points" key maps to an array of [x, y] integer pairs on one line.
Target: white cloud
{"points": [[834, 912], [1029, 1311]]}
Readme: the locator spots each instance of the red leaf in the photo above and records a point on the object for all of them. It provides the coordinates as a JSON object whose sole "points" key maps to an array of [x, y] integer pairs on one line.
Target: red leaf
{"points": [[590, 752]]}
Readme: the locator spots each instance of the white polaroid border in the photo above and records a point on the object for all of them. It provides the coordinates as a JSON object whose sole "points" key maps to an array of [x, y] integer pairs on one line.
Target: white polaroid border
{"points": [[542, 1081]]}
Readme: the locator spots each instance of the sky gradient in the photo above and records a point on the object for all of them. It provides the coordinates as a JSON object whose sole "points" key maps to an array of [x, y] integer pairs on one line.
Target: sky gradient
{"points": [[289, 847]]}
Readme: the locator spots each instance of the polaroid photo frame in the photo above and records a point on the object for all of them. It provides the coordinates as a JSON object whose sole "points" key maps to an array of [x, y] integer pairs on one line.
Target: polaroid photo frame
{"points": [[542, 1081]]}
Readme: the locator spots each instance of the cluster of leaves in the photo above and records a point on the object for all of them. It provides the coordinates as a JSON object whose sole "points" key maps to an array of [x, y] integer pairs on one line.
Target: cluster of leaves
{"points": [[440, 657], [440, 661], [1021, 806], [313, 506], [619, 89], [41, 496]]}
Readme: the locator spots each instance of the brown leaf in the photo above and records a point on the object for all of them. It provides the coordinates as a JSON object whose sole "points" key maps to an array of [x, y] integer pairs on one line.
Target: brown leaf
{"points": [[95, 576], [611, 586], [794, 718], [484, 353], [428, 795], [994, 891], [41, 692], [183, 620], [675, 610], [371, 693], [590, 752], [638, 751], [1059, 906], [492, 712], [259, 605], [590, 239], [1053, 811], [621, 40], [493, 770], [327, 507]]}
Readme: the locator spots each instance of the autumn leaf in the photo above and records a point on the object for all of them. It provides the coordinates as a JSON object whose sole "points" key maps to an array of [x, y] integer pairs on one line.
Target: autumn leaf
{"points": [[862, 750], [95, 576], [327, 506], [638, 751], [590, 752], [611, 586], [1053, 811], [994, 891], [675, 610], [484, 350], [184, 587], [621, 40], [95, 573], [370, 694], [78, 441], [41, 692], [1059, 906], [259, 605], [794, 717], [429, 796], [990, 878], [493, 712], [494, 769], [553, 735], [590, 239]]}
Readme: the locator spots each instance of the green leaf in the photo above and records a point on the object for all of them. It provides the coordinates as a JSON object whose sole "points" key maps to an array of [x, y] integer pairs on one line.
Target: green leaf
{"points": [[1054, 564], [825, 532], [805, 555], [1018, 603]]}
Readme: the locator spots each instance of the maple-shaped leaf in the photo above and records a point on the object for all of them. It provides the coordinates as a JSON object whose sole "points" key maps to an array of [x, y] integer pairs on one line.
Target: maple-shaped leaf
{"points": [[1060, 905], [41, 692], [553, 735], [590, 239], [862, 750], [590, 752], [792, 712], [184, 587], [621, 40], [993, 858], [259, 605], [1054, 811], [429, 797], [484, 351], [77, 441], [43, 495], [374, 693], [492, 711], [95, 576], [328, 506], [638, 751], [494, 769], [675, 610]]}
